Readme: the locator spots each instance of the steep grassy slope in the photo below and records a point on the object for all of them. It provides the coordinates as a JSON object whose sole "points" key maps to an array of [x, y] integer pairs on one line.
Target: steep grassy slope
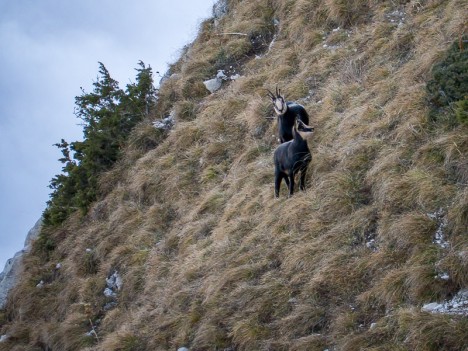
{"points": [[211, 261]]}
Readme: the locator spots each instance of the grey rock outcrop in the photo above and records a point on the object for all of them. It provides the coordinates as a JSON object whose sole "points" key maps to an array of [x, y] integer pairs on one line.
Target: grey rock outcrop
{"points": [[14, 267], [220, 9], [32, 234]]}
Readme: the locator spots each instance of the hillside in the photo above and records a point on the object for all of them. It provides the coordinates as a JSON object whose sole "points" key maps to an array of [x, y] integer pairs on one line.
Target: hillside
{"points": [[189, 248]]}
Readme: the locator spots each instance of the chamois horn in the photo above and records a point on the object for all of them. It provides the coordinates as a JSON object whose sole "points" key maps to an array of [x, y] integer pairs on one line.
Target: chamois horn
{"points": [[271, 94]]}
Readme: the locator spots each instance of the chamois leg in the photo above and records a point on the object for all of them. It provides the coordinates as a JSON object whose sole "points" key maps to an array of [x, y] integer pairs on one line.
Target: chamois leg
{"points": [[291, 184], [278, 178], [302, 180]]}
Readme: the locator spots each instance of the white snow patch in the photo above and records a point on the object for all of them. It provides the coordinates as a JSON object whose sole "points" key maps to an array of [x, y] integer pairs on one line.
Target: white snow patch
{"points": [[40, 285], [3, 338], [439, 236], [442, 276], [458, 305], [182, 349]]}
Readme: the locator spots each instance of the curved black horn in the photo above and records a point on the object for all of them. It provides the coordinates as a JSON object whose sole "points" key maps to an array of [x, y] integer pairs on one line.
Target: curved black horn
{"points": [[271, 94]]}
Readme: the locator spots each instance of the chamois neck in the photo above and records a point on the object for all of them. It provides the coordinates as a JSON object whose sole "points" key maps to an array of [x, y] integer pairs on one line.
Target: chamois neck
{"points": [[297, 137]]}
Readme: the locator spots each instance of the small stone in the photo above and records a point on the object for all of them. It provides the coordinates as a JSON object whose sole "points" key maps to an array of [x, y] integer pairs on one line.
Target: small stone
{"points": [[221, 75], [373, 325], [109, 293], [40, 285], [182, 349], [166, 123], [114, 281], [213, 84], [3, 338], [431, 307], [442, 276]]}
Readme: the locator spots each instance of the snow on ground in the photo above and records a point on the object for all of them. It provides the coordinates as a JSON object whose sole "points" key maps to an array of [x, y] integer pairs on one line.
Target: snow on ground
{"points": [[441, 219], [457, 305]]}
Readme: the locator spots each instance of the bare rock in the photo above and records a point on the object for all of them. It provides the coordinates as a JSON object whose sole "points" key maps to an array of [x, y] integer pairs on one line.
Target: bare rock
{"points": [[14, 266]]}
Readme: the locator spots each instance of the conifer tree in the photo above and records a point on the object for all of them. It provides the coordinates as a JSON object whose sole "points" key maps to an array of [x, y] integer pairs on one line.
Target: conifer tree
{"points": [[108, 114]]}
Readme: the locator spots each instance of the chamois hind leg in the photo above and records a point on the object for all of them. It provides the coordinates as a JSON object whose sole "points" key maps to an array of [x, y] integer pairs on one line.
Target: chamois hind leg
{"points": [[302, 179]]}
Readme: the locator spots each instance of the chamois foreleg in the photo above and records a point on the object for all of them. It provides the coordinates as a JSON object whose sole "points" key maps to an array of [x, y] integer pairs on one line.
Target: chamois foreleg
{"points": [[291, 183]]}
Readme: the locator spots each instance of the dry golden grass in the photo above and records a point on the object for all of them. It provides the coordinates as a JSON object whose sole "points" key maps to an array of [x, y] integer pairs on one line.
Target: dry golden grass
{"points": [[211, 261]]}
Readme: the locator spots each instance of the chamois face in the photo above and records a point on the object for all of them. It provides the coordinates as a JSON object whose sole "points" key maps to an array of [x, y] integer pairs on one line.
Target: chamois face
{"points": [[279, 104]]}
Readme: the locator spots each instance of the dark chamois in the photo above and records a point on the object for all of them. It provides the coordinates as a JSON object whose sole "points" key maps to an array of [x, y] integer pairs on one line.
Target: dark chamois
{"points": [[292, 157], [287, 112]]}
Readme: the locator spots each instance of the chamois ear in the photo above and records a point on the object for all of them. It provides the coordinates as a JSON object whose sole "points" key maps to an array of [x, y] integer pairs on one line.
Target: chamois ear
{"points": [[302, 127]]}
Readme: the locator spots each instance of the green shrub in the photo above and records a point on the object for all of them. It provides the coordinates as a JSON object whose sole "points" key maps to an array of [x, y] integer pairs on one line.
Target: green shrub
{"points": [[44, 245], [448, 88], [461, 110]]}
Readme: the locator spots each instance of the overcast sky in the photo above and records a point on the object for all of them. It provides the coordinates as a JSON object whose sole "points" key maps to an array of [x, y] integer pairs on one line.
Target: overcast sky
{"points": [[48, 50]]}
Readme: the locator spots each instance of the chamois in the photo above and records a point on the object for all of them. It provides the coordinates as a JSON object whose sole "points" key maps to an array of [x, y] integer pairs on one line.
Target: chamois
{"points": [[287, 112], [292, 157]]}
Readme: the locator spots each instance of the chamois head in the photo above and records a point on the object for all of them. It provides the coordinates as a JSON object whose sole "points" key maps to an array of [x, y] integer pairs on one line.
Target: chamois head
{"points": [[279, 103], [303, 129]]}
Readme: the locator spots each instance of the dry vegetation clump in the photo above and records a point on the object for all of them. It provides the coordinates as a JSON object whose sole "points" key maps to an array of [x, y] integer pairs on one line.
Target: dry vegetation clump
{"points": [[210, 261]]}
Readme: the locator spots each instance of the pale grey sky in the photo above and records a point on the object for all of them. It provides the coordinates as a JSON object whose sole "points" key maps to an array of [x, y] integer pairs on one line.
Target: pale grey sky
{"points": [[48, 50]]}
